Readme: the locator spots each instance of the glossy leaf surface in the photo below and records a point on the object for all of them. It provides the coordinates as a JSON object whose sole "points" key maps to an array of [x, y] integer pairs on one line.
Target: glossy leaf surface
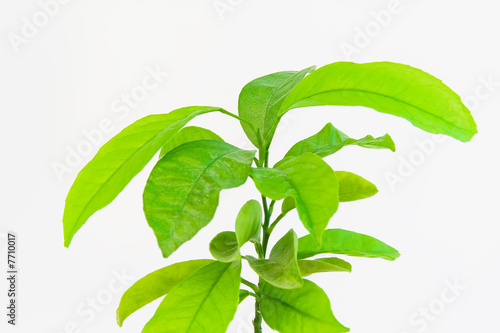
{"points": [[224, 247], [323, 265], [155, 285], [301, 310], [249, 222], [182, 192], [346, 242], [310, 181], [281, 269], [204, 302], [188, 134], [261, 99], [330, 140], [353, 187], [118, 161], [387, 87]]}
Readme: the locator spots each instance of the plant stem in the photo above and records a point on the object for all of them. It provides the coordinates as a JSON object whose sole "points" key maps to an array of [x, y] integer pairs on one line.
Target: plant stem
{"points": [[257, 322], [251, 285], [271, 227]]}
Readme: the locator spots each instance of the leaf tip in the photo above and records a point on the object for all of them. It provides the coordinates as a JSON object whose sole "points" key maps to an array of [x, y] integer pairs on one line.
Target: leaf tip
{"points": [[67, 240], [119, 320]]}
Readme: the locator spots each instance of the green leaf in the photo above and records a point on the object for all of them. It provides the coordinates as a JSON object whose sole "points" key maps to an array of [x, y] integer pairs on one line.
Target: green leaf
{"points": [[287, 205], [309, 267], [118, 161], [350, 243], [182, 192], [155, 285], [310, 181], [353, 187], [390, 88], [188, 134], [281, 269], [301, 310], [224, 247], [330, 140], [204, 302], [260, 101], [244, 294], [249, 222]]}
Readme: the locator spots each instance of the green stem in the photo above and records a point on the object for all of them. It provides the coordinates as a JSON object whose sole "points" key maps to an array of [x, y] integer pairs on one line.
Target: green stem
{"points": [[230, 114], [271, 227], [263, 161], [257, 322], [251, 285]]}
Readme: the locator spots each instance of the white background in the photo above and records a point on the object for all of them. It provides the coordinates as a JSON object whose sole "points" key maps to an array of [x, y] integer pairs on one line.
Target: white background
{"points": [[69, 75]]}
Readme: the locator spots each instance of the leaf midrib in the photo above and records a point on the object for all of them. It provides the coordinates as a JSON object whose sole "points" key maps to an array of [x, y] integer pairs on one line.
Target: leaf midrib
{"points": [[277, 300], [377, 94], [267, 108], [205, 298], [294, 188], [113, 174], [201, 175]]}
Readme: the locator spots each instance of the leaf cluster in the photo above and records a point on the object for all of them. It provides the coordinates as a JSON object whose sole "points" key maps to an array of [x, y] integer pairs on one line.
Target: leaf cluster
{"points": [[182, 194]]}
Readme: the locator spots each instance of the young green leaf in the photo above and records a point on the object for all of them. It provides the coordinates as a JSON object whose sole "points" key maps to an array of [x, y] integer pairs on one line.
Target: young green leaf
{"points": [[182, 192], [260, 101], [390, 88], [204, 302], [155, 285], [310, 181], [249, 222], [188, 134], [301, 310], [244, 294], [224, 247], [118, 161], [350, 243], [287, 205], [323, 265], [353, 187], [330, 140], [281, 269]]}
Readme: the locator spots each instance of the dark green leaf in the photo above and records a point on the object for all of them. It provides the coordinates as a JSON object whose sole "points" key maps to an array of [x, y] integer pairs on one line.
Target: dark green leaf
{"points": [[188, 134], [249, 222], [308, 267], [340, 241], [390, 88], [155, 285], [118, 161], [260, 101], [353, 187], [204, 302], [224, 247], [330, 140], [281, 269], [310, 181], [301, 310], [182, 192]]}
